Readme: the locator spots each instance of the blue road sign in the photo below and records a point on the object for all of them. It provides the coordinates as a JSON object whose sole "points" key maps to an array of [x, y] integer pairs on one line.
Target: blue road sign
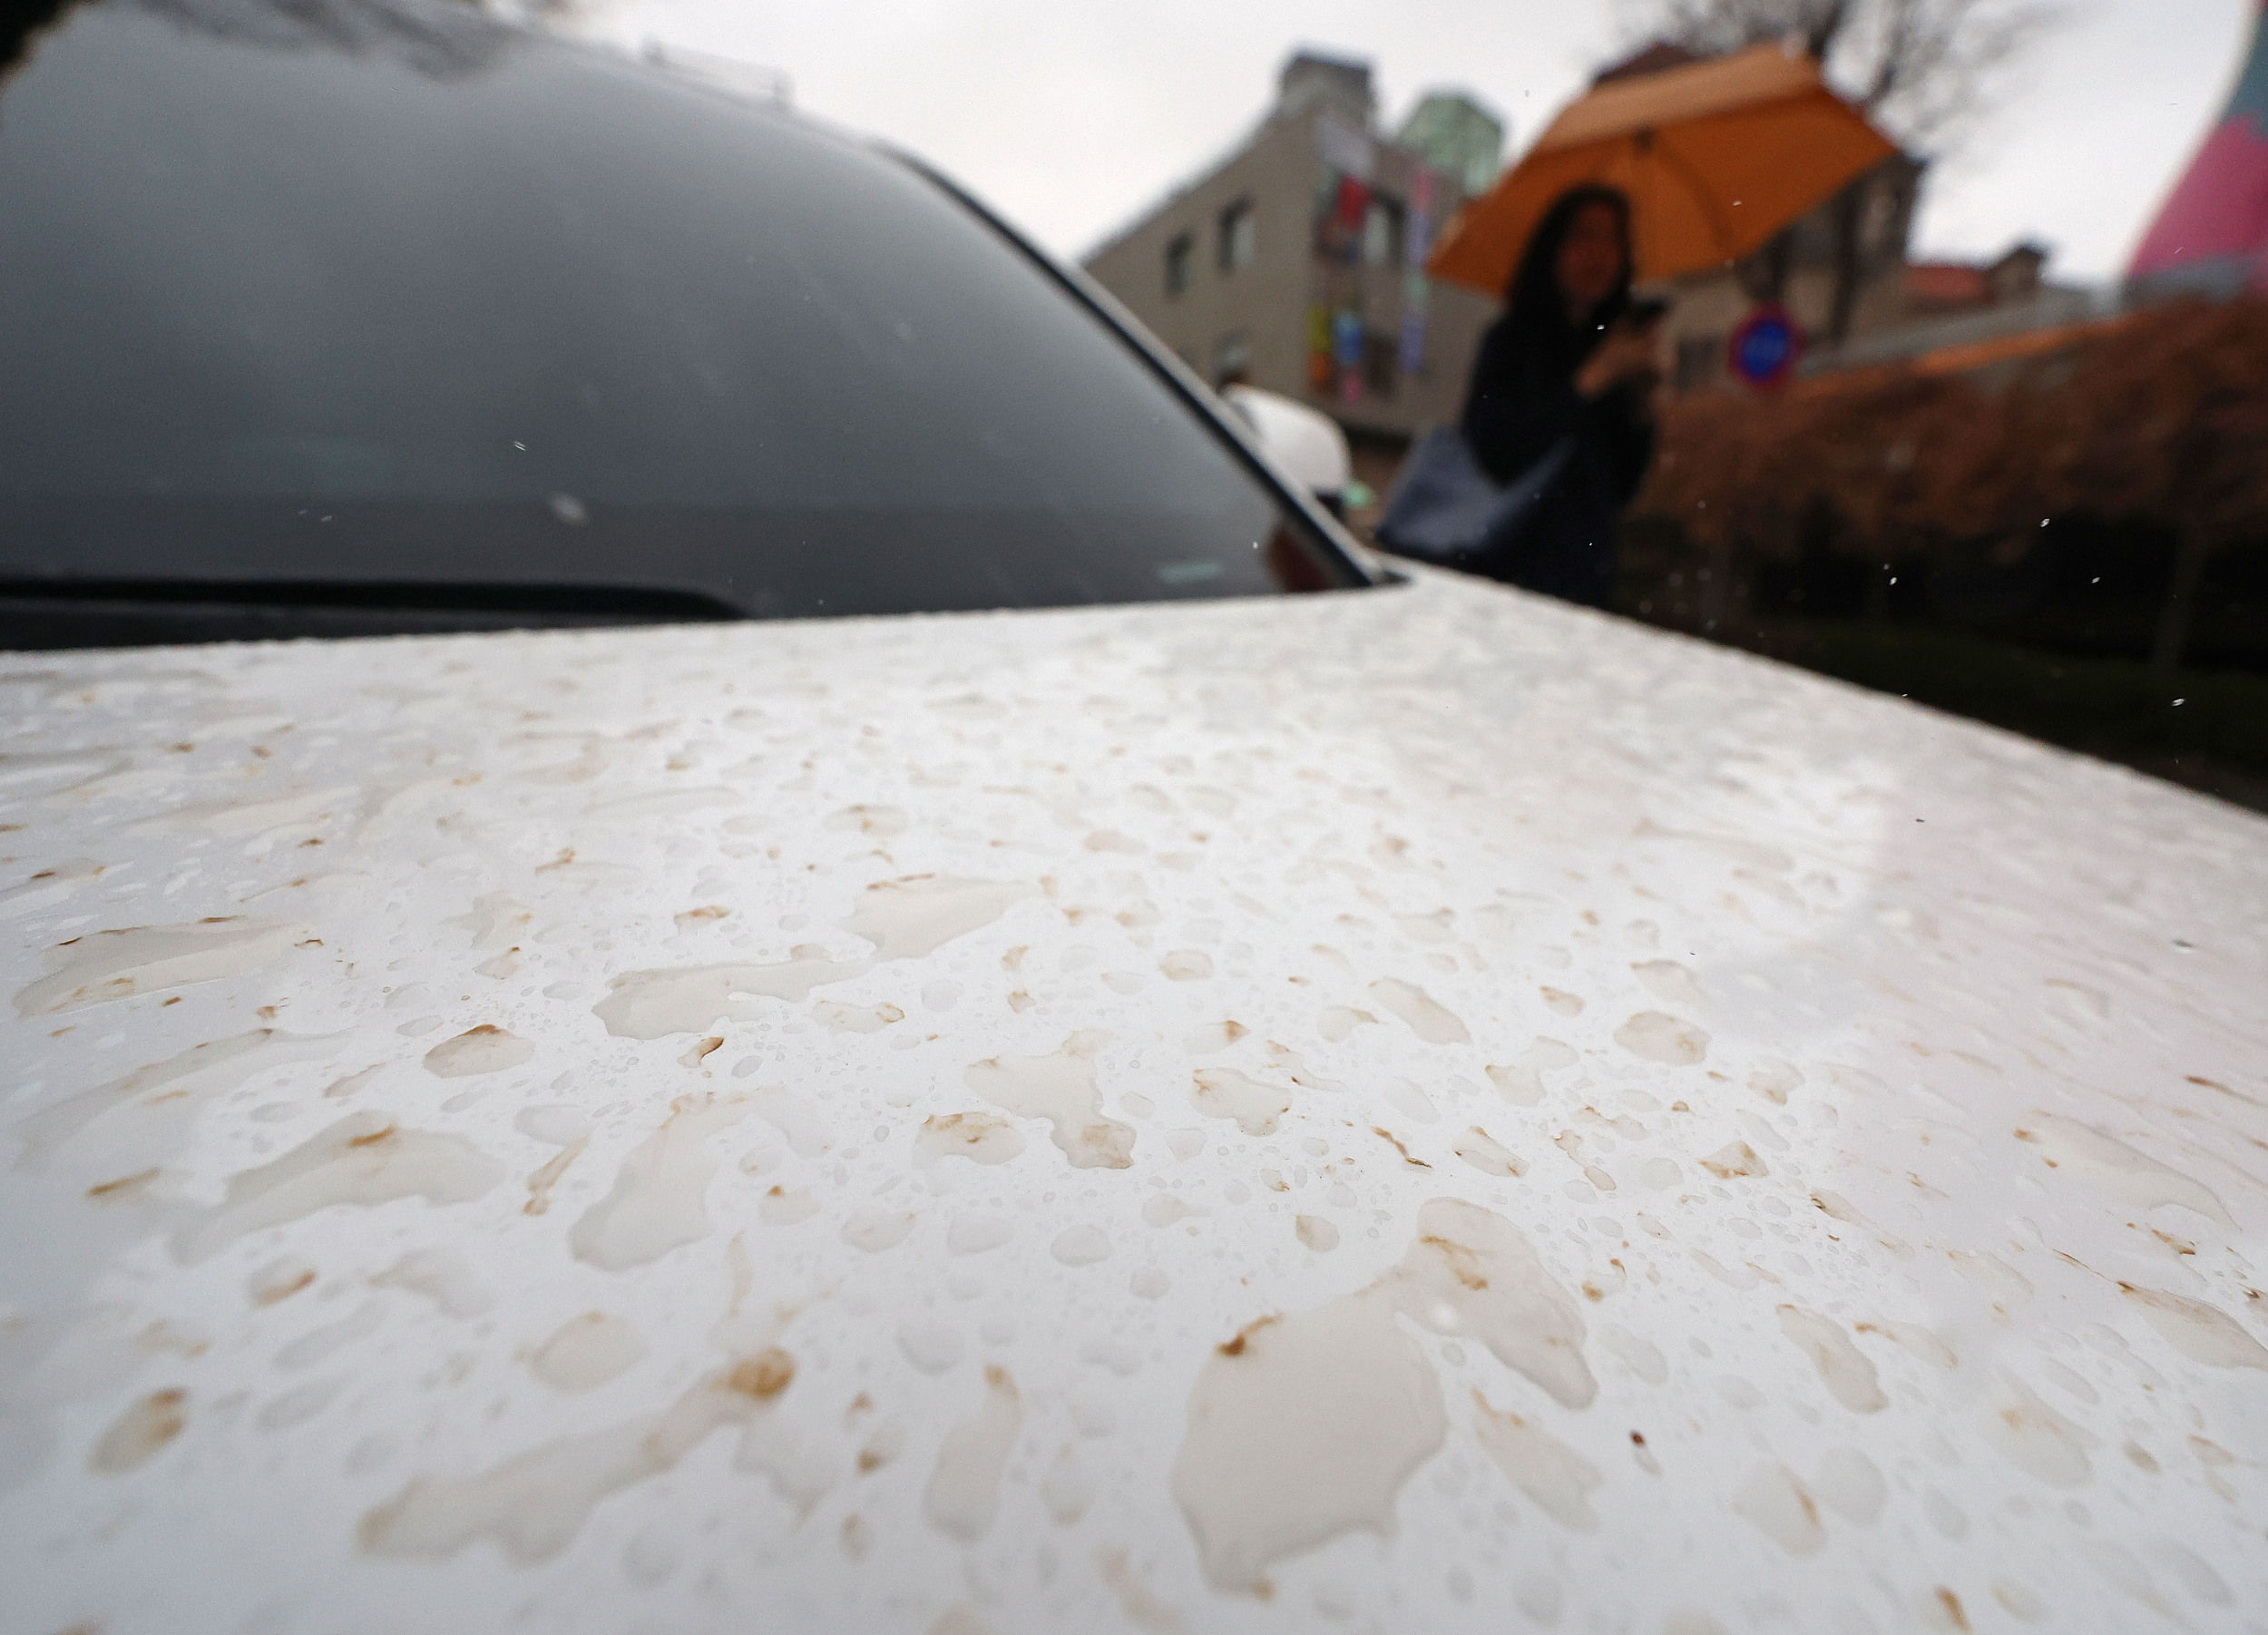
{"points": [[1764, 349]]}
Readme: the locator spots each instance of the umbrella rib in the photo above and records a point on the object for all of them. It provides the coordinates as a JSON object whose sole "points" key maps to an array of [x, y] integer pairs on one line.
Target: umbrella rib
{"points": [[1670, 159]]}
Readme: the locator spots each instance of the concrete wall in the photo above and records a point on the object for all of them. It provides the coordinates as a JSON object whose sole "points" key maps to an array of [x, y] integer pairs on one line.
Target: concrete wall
{"points": [[1266, 300]]}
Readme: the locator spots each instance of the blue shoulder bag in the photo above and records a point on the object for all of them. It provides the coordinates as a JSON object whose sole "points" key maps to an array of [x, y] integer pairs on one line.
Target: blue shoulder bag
{"points": [[1446, 510]]}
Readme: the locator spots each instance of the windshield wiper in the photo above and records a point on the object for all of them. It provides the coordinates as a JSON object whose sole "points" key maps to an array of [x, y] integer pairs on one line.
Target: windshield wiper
{"points": [[46, 614]]}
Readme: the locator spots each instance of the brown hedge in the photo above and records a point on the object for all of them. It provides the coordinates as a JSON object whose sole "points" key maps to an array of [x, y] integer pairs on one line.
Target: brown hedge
{"points": [[2158, 418]]}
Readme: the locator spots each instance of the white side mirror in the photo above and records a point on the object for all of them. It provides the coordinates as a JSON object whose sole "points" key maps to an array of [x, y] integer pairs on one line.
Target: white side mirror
{"points": [[1307, 445]]}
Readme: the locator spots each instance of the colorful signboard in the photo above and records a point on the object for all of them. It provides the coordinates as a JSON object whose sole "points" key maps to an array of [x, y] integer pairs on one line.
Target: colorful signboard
{"points": [[2212, 232]]}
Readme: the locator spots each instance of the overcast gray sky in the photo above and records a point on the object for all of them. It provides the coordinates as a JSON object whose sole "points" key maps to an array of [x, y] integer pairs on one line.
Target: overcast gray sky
{"points": [[1070, 116]]}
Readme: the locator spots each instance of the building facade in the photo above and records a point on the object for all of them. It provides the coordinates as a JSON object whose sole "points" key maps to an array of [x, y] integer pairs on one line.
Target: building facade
{"points": [[1296, 264]]}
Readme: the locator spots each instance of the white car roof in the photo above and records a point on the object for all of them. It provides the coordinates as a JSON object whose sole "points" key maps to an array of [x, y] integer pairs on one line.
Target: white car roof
{"points": [[1420, 1109]]}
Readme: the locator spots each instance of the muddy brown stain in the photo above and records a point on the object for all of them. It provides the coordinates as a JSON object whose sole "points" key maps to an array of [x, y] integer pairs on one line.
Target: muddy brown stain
{"points": [[541, 1183], [284, 1291], [140, 1433], [762, 1377], [1464, 1264], [1236, 1348], [1415, 1163]]}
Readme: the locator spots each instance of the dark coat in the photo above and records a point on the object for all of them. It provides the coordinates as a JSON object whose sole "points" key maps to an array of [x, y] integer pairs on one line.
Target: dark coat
{"points": [[1522, 404]]}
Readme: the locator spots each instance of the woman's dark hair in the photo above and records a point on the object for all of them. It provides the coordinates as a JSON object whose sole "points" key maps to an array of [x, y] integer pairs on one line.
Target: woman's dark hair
{"points": [[1532, 298], [19, 21]]}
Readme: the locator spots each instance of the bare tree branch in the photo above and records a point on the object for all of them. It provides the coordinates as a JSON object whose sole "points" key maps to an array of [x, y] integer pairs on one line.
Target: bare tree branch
{"points": [[1923, 67]]}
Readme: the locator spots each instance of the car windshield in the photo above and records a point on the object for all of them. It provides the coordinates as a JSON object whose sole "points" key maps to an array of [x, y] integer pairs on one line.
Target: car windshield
{"points": [[360, 294]]}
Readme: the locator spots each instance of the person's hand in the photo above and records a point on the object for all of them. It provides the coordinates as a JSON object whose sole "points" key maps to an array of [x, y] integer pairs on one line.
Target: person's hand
{"points": [[1627, 357]]}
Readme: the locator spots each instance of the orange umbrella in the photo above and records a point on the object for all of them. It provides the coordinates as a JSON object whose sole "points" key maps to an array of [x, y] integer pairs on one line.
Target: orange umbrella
{"points": [[1715, 157]]}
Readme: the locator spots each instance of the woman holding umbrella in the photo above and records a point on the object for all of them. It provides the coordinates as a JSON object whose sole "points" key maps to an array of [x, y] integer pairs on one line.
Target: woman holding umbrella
{"points": [[1566, 376], [1700, 165]]}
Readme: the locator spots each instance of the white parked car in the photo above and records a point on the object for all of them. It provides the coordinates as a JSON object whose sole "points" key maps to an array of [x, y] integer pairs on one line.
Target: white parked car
{"points": [[1143, 1102], [1307, 444]]}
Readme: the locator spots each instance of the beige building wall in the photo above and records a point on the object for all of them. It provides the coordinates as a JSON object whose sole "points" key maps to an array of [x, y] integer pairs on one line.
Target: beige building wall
{"points": [[1268, 302], [1265, 299]]}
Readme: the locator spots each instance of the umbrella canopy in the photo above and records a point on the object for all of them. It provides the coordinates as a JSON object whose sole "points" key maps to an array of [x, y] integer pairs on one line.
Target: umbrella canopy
{"points": [[1715, 158]]}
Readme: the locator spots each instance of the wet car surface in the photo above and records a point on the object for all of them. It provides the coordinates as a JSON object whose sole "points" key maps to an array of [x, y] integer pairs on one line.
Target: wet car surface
{"points": [[1419, 1109]]}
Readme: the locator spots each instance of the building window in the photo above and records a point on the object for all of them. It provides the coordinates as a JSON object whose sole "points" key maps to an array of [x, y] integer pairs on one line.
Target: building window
{"points": [[1341, 207], [1232, 359], [1379, 356], [1383, 233], [1878, 222], [1180, 253], [1239, 236]]}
